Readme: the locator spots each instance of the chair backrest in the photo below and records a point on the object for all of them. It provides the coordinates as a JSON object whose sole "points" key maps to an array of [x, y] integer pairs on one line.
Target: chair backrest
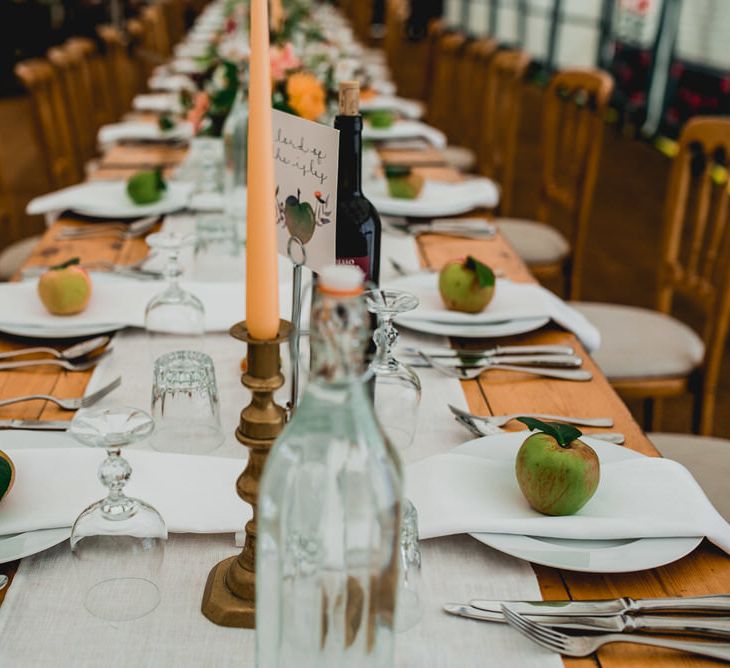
{"points": [[51, 120], [96, 69], [78, 99], [695, 255], [121, 66], [448, 53], [501, 121], [157, 39], [468, 106], [395, 16], [574, 109], [173, 12], [410, 60], [141, 59]]}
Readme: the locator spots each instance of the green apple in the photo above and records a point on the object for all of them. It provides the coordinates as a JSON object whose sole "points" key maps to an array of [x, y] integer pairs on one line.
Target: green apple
{"points": [[402, 182], [65, 289], [466, 285], [380, 118], [557, 473], [299, 218], [146, 187]]}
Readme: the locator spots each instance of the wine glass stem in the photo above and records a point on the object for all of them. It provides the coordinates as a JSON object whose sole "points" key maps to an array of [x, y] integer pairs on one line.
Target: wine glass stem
{"points": [[387, 337], [114, 473]]}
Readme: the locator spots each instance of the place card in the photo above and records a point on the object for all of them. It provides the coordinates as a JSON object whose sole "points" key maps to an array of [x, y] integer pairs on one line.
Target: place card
{"points": [[305, 165]]}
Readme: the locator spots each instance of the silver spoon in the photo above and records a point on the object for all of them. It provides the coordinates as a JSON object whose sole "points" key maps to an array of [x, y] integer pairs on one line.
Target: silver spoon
{"points": [[73, 352]]}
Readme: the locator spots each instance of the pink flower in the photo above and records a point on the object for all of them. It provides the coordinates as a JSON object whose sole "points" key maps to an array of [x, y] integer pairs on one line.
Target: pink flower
{"points": [[283, 59]]}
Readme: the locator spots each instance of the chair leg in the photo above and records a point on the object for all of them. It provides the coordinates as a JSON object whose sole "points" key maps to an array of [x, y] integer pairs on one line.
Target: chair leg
{"points": [[652, 414]]}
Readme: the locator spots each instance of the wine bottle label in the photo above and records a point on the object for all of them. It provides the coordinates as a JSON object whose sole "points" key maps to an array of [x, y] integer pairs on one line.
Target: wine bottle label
{"points": [[363, 262]]}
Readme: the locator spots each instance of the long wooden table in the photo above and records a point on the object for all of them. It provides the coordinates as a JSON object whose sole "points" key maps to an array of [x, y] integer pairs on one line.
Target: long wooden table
{"points": [[706, 571]]}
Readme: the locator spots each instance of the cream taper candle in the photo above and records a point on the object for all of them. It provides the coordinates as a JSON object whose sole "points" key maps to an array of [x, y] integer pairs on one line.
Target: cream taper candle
{"points": [[262, 281]]}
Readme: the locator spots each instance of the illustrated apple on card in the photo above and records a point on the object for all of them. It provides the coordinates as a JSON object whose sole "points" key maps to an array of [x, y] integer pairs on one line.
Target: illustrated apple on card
{"points": [[305, 161]]}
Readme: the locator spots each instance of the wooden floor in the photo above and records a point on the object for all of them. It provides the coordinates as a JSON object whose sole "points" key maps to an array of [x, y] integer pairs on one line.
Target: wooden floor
{"points": [[624, 235]]}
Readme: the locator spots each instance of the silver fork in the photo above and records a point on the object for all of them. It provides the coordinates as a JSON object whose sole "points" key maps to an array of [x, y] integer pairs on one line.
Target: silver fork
{"points": [[131, 231], [70, 404], [64, 364], [501, 420], [561, 643], [489, 430], [473, 374]]}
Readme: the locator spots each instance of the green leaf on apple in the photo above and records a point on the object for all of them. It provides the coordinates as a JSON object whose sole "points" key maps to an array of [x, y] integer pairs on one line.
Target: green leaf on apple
{"points": [[67, 263], [564, 434], [485, 275]]}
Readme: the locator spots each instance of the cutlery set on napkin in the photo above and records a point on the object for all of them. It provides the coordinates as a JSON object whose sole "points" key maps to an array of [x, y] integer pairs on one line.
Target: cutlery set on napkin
{"points": [[613, 620]]}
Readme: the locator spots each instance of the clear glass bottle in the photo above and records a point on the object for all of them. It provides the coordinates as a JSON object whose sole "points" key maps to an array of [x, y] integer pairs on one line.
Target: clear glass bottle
{"points": [[235, 146], [327, 561]]}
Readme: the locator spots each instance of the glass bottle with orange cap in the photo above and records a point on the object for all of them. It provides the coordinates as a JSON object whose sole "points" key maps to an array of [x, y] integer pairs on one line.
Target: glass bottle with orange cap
{"points": [[329, 506]]}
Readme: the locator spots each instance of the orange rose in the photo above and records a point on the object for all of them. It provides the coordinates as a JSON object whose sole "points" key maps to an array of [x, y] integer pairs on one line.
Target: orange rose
{"points": [[306, 95]]}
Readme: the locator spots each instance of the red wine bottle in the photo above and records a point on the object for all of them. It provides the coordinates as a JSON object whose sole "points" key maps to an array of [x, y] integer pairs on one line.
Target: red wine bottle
{"points": [[358, 223]]}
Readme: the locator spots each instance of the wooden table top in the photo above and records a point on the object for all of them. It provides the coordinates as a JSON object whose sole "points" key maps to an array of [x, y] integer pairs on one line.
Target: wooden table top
{"points": [[705, 571]]}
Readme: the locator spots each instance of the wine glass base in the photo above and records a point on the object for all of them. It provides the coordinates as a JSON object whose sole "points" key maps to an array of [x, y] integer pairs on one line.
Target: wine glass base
{"points": [[188, 439], [122, 599]]}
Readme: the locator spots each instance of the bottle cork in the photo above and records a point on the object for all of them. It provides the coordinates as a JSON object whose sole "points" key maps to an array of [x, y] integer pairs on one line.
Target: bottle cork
{"points": [[349, 98]]}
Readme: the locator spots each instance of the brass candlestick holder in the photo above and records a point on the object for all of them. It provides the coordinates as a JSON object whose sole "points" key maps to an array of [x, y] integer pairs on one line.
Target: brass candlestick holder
{"points": [[229, 598]]}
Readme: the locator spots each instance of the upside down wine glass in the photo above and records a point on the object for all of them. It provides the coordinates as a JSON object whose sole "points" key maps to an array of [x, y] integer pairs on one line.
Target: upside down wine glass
{"points": [[118, 542], [175, 311], [397, 397]]}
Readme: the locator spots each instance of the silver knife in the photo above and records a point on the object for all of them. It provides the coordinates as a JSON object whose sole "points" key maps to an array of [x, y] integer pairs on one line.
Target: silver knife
{"points": [[715, 603], [490, 352], [39, 425], [714, 626], [554, 361]]}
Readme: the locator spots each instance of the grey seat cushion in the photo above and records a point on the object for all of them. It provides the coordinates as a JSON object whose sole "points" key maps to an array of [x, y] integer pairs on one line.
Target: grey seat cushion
{"points": [[460, 158], [707, 459], [13, 257], [640, 343], [535, 243]]}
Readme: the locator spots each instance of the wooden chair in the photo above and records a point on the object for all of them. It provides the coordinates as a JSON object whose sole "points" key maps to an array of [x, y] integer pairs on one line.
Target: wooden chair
{"points": [[449, 52], [497, 141], [650, 354], [572, 138], [123, 70], [442, 112], [51, 120], [173, 13], [471, 82], [157, 39], [96, 71], [143, 60], [410, 61], [707, 459], [77, 98]]}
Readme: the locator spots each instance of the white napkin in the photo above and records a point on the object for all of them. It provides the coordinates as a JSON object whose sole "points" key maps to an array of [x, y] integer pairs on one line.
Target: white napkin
{"points": [[186, 66], [406, 130], [399, 247], [157, 102], [512, 301], [107, 197], [408, 108], [118, 302], [194, 494], [115, 132], [436, 199], [171, 83], [192, 49], [637, 498]]}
